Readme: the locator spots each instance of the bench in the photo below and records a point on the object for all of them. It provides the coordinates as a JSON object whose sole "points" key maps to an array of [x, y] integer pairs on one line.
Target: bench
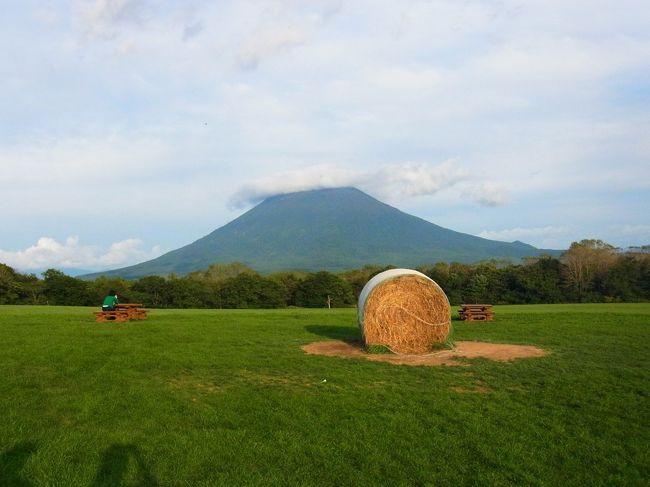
{"points": [[106, 316], [476, 312], [134, 310], [123, 312]]}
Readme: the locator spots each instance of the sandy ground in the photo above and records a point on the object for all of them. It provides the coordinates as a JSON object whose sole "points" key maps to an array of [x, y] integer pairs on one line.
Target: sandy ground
{"points": [[492, 351]]}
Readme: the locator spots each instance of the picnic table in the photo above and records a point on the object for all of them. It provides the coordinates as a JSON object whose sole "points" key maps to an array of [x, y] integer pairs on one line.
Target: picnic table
{"points": [[123, 312], [476, 312], [134, 310]]}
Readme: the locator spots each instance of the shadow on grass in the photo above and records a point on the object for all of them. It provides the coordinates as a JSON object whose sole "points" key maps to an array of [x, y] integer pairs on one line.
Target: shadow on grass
{"points": [[335, 332], [115, 464], [12, 462]]}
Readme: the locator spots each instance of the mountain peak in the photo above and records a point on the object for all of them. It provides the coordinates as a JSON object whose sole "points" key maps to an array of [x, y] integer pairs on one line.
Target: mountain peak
{"points": [[336, 192], [327, 229]]}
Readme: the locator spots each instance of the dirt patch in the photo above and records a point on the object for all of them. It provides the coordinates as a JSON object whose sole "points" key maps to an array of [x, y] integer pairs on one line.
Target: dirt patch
{"points": [[501, 352], [492, 351]]}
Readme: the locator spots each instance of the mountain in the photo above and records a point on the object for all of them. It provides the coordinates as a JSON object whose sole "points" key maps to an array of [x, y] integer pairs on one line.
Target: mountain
{"points": [[328, 229]]}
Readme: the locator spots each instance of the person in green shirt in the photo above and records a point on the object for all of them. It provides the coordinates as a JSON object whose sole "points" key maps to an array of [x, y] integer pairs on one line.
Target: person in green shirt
{"points": [[110, 301]]}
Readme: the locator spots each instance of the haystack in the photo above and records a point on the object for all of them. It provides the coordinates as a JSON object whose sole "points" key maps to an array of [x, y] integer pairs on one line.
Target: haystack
{"points": [[405, 311]]}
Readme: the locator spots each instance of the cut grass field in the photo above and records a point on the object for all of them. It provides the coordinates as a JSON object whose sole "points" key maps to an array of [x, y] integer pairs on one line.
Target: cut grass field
{"points": [[217, 397]]}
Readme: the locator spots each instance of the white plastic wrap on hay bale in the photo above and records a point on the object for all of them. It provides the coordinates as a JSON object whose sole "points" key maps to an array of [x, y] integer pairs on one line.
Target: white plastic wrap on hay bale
{"points": [[404, 310]]}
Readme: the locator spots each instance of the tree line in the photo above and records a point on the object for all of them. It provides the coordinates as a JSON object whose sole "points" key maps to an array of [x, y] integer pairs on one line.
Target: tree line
{"points": [[589, 271]]}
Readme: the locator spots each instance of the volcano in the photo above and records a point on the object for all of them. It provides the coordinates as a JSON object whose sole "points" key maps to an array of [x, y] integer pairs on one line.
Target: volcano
{"points": [[327, 229]]}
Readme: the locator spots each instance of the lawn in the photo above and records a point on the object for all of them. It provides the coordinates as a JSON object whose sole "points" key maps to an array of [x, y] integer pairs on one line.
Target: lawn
{"points": [[227, 397]]}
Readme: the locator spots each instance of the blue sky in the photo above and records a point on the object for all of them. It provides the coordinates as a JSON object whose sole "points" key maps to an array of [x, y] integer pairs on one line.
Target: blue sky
{"points": [[132, 127]]}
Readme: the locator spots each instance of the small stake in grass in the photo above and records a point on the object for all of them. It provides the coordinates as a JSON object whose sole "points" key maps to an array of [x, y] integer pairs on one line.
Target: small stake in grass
{"points": [[404, 311]]}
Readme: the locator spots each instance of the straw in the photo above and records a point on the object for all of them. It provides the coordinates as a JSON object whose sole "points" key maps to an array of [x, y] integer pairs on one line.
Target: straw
{"points": [[409, 314]]}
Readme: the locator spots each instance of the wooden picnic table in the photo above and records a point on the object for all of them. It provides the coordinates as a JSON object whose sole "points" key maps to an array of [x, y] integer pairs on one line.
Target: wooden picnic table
{"points": [[134, 310], [476, 312], [123, 312]]}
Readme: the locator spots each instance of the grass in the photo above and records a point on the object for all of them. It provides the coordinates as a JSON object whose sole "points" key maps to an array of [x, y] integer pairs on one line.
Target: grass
{"points": [[378, 349], [216, 397]]}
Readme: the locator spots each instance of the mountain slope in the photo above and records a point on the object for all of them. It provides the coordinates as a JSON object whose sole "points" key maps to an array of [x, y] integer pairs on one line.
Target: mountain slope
{"points": [[332, 229]]}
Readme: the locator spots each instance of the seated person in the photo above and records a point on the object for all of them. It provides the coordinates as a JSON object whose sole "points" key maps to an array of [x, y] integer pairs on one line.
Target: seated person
{"points": [[110, 301]]}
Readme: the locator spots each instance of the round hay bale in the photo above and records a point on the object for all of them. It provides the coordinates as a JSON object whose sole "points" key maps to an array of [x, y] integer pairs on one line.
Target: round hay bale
{"points": [[405, 311]]}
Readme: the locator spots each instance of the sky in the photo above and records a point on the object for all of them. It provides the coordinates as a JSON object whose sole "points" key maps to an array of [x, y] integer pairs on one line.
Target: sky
{"points": [[129, 128]]}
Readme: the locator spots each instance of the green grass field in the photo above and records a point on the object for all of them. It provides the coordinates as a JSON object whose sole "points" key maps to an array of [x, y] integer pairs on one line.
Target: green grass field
{"points": [[217, 397]]}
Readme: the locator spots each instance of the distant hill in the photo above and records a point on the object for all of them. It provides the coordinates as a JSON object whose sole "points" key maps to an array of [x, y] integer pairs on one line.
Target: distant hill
{"points": [[328, 229]]}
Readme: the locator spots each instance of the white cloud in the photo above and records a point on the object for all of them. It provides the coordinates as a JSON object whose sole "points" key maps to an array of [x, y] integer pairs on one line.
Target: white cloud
{"points": [[315, 177], [486, 193], [49, 253], [270, 28], [393, 181], [101, 18], [413, 179], [268, 42]]}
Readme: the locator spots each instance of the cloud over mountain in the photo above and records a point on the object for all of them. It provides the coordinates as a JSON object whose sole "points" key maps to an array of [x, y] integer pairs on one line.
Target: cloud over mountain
{"points": [[392, 181]]}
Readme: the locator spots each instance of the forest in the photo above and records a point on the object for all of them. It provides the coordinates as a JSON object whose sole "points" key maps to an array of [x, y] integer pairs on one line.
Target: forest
{"points": [[589, 271]]}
